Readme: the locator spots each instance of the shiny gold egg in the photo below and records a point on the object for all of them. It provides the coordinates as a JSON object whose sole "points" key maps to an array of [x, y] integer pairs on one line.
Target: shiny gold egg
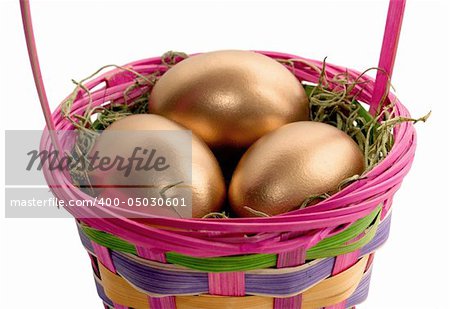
{"points": [[187, 167], [290, 164], [230, 97]]}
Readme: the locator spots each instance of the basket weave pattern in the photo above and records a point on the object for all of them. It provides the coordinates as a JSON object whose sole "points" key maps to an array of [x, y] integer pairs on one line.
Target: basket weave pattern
{"points": [[315, 257], [310, 258]]}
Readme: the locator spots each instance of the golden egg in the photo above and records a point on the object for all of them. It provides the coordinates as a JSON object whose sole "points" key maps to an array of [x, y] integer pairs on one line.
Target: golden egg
{"points": [[285, 167], [231, 97], [189, 170]]}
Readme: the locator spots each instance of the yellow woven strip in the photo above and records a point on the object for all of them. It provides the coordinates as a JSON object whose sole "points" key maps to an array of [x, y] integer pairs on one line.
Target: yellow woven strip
{"points": [[335, 289], [214, 302], [120, 291], [328, 292]]}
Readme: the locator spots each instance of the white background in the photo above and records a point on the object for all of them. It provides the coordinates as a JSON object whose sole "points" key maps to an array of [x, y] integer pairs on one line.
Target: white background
{"points": [[42, 261]]}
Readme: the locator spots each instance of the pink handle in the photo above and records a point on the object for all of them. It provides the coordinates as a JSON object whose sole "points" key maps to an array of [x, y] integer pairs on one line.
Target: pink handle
{"points": [[34, 60], [388, 52], [386, 62]]}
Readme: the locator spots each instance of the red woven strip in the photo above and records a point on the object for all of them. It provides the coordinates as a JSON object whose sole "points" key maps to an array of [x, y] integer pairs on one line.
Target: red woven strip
{"points": [[162, 302], [104, 256], [118, 306], [151, 254], [227, 284]]}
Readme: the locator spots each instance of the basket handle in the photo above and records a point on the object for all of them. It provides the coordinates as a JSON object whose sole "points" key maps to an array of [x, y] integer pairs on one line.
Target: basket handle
{"points": [[388, 52], [34, 60], [386, 62]]}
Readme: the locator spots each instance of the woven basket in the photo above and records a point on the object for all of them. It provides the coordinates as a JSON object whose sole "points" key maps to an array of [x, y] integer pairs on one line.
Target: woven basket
{"points": [[316, 257]]}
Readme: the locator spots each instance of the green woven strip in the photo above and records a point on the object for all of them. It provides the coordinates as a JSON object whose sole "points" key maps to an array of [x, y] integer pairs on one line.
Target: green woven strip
{"points": [[221, 264], [328, 247], [108, 240], [334, 245], [354, 230]]}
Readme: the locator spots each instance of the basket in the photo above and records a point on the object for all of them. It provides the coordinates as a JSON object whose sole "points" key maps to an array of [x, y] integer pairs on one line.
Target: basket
{"points": [[316, 257]]}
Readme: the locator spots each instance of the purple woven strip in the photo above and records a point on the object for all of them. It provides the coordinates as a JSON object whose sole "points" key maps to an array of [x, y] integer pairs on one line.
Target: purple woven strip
{"points": [[357, 297], [289, 283], [162, 302], [102, 295], [154, 254], [227, 284], [119, 306], [160, 281], [290, 302], [361, 292], [288, 259], [168, 282]]}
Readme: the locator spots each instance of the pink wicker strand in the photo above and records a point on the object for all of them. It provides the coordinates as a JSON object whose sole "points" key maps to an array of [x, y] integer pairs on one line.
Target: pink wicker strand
{"points": [[294, 257], [104, 256], [227, 283], [388, 51], [289, 235], [289, 259], [151, 254], [288, 302], [167, 302], [34, 61], [342, 263]]}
